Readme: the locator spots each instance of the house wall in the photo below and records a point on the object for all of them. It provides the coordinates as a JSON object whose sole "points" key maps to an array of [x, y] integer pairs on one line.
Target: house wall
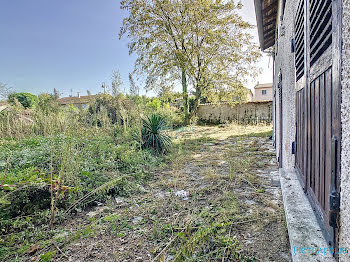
{"points": [[345, 151], [243, 113], [258, 96], [284, 64]]}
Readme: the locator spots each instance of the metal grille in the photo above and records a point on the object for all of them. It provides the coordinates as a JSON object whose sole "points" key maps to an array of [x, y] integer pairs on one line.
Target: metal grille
{"points": [[321, 28], [299, 41]]}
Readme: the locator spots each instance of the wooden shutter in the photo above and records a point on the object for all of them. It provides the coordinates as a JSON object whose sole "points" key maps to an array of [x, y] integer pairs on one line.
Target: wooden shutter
{"points": [[321, 28], [299, 41]]}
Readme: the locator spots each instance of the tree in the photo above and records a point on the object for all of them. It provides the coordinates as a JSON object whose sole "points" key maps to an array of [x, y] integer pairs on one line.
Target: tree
{"points": [[166, 94], [56, 94], [116, 83], [152, 37], [47, 103], [134, 89], [5, 91], [205, 43], [26, 99]]}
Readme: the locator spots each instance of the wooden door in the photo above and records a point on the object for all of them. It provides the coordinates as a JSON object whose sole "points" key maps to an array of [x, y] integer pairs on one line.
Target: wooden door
{"points": [[318, 123], [318, 146]]}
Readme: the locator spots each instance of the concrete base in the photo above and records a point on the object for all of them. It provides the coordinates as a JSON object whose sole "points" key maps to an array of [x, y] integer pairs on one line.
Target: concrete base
{"points": [[305, 235]]}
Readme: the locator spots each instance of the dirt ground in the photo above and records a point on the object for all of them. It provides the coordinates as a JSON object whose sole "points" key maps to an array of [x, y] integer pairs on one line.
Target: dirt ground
{"points": [[217, 198]]}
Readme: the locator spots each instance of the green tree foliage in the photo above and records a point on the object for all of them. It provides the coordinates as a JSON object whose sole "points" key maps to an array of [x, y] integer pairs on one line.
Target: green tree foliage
{"points": [[204, 43], [27, 100]]}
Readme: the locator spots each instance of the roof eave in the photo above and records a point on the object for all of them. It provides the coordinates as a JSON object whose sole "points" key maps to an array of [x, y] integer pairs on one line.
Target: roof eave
{"points": [[264, 44], [259, 22]]}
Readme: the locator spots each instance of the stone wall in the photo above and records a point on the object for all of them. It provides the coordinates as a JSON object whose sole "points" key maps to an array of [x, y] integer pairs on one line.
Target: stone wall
{"points": [[345, 151], [251, 112]]}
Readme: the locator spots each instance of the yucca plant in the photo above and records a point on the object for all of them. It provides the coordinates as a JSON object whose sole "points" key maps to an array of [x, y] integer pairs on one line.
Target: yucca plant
{"points": [[153, 135]]}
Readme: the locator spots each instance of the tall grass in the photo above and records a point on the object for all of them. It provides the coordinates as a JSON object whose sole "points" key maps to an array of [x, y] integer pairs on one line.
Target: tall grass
{"points": [[16, 124], [49, 159]]}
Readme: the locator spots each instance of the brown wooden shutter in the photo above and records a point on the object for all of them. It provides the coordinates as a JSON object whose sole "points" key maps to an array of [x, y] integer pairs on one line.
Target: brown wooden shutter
{"points": [[299, 41], [321, 28]]}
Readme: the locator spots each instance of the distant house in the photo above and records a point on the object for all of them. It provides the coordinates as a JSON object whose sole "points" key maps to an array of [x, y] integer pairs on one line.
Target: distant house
{"points": [[77, 101], [263, 92]]}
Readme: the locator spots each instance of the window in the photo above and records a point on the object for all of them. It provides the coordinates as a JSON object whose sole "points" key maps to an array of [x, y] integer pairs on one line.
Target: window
{"points": [[263, 92]]}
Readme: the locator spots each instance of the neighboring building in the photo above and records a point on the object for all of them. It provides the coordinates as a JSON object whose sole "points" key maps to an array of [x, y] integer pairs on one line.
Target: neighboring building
{"points": [[310, 41], [263, 92], [77, 101]]}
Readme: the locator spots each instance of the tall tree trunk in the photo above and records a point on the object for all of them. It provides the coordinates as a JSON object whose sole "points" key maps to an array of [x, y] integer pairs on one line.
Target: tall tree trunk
{"points": [[185, 97], [196, 102]]}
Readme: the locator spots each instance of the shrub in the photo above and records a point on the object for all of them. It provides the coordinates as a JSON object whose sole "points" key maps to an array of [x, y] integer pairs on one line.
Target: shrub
{"points": [[27, 100], [47, 103], [172, 117], [154, 104], [107, 110], [153, 135]]}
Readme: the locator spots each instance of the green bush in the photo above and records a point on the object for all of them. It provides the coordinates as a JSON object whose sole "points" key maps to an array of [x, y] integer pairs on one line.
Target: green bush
{"points": [[47, 103], [154, 104], [172, 116], [27, 100]]}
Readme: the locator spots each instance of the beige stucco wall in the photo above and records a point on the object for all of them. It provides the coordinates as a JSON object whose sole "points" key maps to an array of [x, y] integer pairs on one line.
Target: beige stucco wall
{"points": [[284, 64], [258, 96], [244, 113], [345, 151]]}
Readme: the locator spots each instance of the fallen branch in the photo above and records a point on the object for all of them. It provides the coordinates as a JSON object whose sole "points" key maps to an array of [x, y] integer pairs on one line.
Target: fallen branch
{"points": [[58, 248], [104, 187], [165, 248]]}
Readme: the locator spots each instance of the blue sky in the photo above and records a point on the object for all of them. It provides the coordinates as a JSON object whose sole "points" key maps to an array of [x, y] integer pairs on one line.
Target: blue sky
{"points": [[65, 44]]}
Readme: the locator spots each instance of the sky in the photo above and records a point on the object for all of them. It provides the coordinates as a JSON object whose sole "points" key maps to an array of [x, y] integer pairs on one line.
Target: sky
{"points": [[72, 45]]}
